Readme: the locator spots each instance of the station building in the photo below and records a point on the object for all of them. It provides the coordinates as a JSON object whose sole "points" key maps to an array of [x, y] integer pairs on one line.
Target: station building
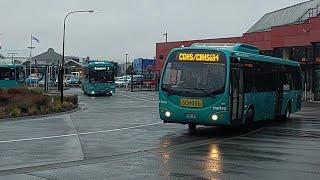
{"points": [[143, 66], [49, 60], [290, 33]]}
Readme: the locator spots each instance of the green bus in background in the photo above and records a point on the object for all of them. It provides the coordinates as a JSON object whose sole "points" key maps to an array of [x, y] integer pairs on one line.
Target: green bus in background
{"points": [[11, 75], [98, 78], [227, 85]]}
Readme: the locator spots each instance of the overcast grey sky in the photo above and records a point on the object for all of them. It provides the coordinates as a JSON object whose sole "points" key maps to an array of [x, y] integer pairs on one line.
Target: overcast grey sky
{"points": [[125, 26]]}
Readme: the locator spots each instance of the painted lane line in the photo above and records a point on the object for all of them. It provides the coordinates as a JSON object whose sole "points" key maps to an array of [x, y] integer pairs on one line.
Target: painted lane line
{"points": [[120, 129], [39, 138], [131, 107], [76, 134], [138, 98]]}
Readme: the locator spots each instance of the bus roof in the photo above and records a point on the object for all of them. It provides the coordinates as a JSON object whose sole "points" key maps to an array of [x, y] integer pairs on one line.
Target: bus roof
{"points": [[10, 65], [239, 50]]}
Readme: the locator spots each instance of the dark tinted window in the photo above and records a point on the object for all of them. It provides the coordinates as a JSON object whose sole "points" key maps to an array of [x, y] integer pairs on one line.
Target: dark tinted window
{"points": [[259, 77], [263, 77]]}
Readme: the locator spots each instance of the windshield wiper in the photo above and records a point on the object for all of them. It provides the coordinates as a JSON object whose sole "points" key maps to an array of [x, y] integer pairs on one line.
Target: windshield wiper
{"points": [[205, 91], [173, 92]]}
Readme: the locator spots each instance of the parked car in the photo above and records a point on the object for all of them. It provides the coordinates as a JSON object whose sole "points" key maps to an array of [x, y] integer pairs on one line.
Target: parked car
{"points": [[33, 79], [57, 82], [73, 81], [51, 83], [121, 82]]}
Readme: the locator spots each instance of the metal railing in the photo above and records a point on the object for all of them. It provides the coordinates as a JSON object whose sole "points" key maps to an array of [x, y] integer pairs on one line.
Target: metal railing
{"points": [[312, 12]]}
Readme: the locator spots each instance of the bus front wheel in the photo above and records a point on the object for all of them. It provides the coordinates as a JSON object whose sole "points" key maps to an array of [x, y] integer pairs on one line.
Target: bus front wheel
{"points": [[192, 127]]}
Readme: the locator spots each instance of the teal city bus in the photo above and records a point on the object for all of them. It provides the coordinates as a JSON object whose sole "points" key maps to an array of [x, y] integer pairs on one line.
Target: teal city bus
{"points": [[11, 75], [227, 85], [98, 78]]}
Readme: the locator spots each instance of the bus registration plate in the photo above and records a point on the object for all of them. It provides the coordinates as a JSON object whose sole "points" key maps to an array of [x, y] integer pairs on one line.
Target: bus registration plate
{"points": [[193, 103]]}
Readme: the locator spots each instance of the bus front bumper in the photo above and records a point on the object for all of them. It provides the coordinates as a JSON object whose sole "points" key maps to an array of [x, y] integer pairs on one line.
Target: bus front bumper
{"points": [[101, 92], [198, 117]]}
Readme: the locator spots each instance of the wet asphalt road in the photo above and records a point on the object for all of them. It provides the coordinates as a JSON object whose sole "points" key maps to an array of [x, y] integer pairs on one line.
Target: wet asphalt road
{"points": [[122, 137]]}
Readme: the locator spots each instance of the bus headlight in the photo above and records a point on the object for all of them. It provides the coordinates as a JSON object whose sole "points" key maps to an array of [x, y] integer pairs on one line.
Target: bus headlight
{"points": [[167, 114], [214, 117], [92, 92]]}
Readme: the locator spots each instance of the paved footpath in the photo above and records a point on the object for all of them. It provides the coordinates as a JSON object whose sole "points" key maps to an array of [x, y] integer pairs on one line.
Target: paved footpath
{"points": [[122, 137]]}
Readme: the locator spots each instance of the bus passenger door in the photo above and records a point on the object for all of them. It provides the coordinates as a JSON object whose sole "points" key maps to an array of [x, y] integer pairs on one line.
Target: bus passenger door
{"points": [[279, 93], [237, 95]]}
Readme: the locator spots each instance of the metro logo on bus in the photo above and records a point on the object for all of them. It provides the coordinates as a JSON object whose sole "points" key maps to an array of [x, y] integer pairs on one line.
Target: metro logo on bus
{"points": [[203, 57]]}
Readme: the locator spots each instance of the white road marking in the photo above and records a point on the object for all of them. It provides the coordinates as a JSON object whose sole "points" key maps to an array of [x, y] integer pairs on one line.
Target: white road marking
{"points": [[131, 107], [120, 129], [76, 134], [138, 98]]}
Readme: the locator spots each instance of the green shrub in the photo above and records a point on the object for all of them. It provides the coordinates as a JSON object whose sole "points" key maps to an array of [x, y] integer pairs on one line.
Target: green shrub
{"points": [[67, 106], [72, 99], [17, 91], [57, 107], [35, 91], [4, 99], [24, 108], [14, 112], [32, 110], [40, 101]]}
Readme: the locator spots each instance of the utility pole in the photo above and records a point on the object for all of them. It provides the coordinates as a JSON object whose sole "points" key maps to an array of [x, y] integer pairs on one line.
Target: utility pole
{"points": [[12, 54], [131, 86], [30, 47], [166, 35]]}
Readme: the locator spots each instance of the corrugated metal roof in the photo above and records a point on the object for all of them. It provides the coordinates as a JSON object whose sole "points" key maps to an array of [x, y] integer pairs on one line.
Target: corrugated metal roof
{"points": [[48, 58], [284, 16]]}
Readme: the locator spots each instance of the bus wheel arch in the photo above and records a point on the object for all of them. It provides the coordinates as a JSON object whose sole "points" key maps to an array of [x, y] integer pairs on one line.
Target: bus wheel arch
{"points": [[192, 127]]}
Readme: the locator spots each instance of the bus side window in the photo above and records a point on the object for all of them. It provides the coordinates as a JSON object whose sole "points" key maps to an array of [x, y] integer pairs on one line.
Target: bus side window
{"points": [[249, 85], [287, 81], [297, 78]]}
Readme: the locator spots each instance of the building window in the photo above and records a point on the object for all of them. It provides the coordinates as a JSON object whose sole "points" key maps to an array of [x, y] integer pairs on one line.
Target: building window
{"points": [[301, 54], [317, 52]]}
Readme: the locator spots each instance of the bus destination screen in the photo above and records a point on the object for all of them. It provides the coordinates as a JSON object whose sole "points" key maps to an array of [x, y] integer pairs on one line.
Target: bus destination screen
{"points": [[198, 57]]}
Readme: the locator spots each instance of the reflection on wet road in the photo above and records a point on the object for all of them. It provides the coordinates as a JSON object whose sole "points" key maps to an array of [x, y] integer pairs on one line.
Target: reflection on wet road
{"points": [[119, 137]]}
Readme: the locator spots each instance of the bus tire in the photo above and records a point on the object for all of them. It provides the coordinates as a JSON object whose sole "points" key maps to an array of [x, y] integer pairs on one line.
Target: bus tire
{"points": [[249, 117], [192, 127]]}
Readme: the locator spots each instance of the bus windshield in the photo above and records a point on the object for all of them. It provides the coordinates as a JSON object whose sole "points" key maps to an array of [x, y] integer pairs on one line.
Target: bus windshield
{"points": [[193, 77], [101, 76]]}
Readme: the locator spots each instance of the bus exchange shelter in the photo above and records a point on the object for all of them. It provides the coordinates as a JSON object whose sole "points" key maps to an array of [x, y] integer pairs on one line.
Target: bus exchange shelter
{"points": [[290, 33]]}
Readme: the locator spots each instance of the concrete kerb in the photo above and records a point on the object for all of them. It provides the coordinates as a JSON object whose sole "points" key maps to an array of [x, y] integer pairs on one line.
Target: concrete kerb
{"points": [[78, 108], [317, 102]]}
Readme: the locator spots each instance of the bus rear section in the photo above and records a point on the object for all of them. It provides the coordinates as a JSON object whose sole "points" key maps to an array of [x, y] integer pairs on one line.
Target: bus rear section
{"points": [[11, 76], [193, 88], [99, 79]]}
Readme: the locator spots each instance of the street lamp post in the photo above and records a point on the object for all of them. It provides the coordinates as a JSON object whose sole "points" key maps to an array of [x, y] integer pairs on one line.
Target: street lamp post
{"points": [[61, 71], [125, 71]]}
